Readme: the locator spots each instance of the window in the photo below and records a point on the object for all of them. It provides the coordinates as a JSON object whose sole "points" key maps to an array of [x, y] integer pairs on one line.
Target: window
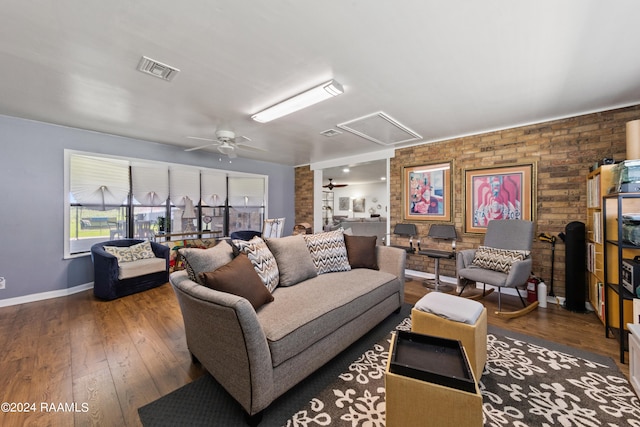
{"points": [[113, 198], [150, 190], [98, 198], [246, 203], [184, 193], [213, 199]]}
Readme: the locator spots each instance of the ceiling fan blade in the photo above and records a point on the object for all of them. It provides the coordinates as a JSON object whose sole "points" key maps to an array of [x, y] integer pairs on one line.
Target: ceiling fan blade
{"points": [[331, 185], [199, 148], [201, 139], [250, 147]]}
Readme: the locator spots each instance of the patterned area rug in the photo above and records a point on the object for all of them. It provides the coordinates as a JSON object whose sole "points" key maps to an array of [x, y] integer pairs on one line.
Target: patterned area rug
{"points": [[523, 384], [526, 382]]}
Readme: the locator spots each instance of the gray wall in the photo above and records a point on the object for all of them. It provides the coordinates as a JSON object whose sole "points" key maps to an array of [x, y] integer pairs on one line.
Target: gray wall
{"points": [[32, 204]]}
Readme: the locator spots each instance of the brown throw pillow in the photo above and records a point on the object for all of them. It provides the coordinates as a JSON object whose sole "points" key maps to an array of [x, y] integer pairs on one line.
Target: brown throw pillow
{"points": [[239, 278], [361, 251]]}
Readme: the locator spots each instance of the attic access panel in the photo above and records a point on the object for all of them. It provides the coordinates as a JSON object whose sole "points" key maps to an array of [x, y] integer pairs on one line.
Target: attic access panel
{"points": [[380, 128]]}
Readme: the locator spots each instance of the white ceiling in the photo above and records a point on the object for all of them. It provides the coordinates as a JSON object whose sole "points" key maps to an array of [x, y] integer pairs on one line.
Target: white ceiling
{"points": [[443, 69]]}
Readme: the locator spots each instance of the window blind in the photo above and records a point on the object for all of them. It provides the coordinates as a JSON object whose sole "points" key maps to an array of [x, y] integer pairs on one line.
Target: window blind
{"points": [[98, 182], [150, 183], [184, 183], [245, 191], [213, 188]]}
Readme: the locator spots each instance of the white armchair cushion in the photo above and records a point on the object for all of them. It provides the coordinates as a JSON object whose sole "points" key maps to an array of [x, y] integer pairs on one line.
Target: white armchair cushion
{"points": [[127, 270]]}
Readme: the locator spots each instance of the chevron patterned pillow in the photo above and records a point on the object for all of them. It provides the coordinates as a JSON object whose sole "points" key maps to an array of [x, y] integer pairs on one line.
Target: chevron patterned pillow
{"points": [[328, 251], [497, 259], [262, 259]]}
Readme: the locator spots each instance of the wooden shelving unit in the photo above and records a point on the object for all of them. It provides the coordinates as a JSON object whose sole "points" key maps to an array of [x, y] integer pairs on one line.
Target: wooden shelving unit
{"points": [[618, 301], [599, 183]]}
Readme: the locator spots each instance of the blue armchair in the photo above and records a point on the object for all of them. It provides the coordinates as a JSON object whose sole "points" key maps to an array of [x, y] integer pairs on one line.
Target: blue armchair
{"points": [[245, 234], [107, 283]]}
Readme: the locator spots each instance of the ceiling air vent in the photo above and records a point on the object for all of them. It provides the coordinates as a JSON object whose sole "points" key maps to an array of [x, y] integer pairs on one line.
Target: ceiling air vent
{"points": [[330, 132], [380, 128], [157, 69]]}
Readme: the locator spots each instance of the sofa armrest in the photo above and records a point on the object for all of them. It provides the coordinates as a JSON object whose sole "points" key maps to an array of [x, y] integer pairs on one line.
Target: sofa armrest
{"points": [[392, 260], [224, 334], [105, 267], [161, 251]]}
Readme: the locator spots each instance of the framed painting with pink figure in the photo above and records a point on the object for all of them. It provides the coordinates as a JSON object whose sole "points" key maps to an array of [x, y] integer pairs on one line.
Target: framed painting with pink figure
{"points": [[498, 193], [427, 192]]}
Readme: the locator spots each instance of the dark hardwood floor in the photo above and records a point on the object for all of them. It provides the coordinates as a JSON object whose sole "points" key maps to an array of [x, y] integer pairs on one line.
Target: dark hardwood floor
{"points": [[104, 360]]}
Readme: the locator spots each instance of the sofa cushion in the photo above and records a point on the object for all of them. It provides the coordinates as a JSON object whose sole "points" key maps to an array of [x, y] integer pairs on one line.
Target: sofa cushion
{"points": [[239, 278], [127, 270], [142, 251], [361, 251], [497, 259], [203, 260], [293, 259], [122, 253], [290, 330], [262, 259], [328, 251]]}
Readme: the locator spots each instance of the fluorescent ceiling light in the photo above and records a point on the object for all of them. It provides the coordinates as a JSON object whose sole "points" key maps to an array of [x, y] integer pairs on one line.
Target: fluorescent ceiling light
{"points": [[312, 96]]}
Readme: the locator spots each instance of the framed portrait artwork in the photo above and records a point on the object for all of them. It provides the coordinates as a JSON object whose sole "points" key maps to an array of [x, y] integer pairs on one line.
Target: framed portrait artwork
{"points": [[427, 192], [498, 193]]}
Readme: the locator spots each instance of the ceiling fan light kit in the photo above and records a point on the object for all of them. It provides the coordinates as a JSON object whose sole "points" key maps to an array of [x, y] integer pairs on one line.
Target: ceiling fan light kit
{"points": [[225, 142], [226, 148], [312, 96]]}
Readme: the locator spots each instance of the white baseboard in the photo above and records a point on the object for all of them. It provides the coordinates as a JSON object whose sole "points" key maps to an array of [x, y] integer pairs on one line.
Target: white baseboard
{"points": [[506, 291], [45, 295]]}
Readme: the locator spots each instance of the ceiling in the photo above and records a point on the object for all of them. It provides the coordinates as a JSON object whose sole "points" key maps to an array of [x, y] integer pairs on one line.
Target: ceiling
{"points": [[442, 69], [370, 172]]}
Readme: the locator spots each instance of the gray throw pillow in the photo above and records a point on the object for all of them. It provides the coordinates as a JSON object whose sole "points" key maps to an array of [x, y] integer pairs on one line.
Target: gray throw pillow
{"points": [[293, 259], [198, 260]]}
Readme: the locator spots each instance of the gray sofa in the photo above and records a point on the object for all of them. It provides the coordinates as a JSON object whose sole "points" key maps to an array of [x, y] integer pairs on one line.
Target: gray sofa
{"points": [[257, 355], [364, 227]]}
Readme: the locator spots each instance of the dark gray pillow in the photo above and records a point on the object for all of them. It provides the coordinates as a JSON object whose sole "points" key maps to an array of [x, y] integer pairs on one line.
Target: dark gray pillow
{"points": [[293, 259], [361, 251]]}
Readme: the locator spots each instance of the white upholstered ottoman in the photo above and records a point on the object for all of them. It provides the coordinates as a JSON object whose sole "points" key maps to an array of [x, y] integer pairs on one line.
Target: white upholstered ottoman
{"points": [[457, 318]]}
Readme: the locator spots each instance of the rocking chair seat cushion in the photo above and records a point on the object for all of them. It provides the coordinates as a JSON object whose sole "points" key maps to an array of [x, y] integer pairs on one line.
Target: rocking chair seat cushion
{"points": [[479, 274]]}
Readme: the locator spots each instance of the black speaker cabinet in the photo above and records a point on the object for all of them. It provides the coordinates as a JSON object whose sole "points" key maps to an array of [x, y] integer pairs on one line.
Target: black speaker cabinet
{"points": [[576, 267]]}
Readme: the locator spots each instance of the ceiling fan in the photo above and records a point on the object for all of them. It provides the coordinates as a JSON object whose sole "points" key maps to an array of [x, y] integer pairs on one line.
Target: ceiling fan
{"points": [[331, 185], [227, 143]]}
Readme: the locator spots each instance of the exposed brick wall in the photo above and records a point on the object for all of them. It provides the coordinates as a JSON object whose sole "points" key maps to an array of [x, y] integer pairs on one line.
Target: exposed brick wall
{"points": [[562, 150], [304, 194]]}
